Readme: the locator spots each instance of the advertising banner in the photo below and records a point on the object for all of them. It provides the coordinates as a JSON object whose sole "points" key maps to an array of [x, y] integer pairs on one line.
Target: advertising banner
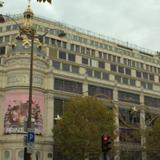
{"points": [[16, 112]]}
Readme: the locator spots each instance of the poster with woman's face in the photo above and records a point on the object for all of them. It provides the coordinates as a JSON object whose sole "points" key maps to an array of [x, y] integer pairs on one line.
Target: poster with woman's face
{"points": [[16, 112]]}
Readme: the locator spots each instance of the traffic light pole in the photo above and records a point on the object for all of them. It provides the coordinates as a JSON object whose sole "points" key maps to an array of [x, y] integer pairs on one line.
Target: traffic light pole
{"points": [[104, 156]]}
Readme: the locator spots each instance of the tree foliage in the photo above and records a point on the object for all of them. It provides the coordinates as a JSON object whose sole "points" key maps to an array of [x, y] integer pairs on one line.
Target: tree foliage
{"points": [[49, 1], [153, 141], [85, 120]]}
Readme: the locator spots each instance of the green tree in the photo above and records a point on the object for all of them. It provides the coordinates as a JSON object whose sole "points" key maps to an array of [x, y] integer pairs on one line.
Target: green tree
{"points": [[153, 141], [78, 133]]}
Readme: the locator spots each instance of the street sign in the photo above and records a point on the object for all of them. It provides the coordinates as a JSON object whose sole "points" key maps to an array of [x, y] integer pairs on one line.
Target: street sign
{"points": [[30, 137]]}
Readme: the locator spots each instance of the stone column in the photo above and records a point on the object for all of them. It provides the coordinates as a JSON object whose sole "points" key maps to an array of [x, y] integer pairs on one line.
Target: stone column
{"points": [[142, 124], [85, 87], [116, 112]]}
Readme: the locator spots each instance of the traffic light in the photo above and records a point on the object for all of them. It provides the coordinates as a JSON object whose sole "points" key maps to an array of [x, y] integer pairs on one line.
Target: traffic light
{"points": [[106, 141]]}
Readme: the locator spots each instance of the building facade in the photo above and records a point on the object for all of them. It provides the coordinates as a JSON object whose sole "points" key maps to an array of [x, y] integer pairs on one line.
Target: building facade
{"points": [[70, 62]]}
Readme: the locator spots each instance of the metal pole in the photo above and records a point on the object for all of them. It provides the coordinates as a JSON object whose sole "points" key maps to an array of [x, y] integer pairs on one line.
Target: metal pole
{"points": [[29, 122], [104, 155]]}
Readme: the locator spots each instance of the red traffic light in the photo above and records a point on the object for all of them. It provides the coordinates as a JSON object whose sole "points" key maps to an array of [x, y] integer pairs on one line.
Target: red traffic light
{"points": [[105, 138], [106, 141]]}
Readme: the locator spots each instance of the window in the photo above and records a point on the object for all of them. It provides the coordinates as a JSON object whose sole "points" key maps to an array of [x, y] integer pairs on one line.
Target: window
{"points": [[59, 43], [145, 75], [152, 101], [47, 40], [101, 64], [65, 67], [77, 48], [71, 57], [120, 69], [58, 106], [72, 47], [7, 155], [151, 77], [97, 74], [105, 76], [101, 91], [113, 67], [125, 80], [56, 65], [62, 55], [53, 41], [128, 97], [64, 45], [128, 71], [82, 50], [138, 74], [8, 28], [1, 39], [6, 38], [118, 78], [20, 155], [2, 50], [89, 72], [68, 86], [84, 60], [132, 82], [94, 63], [88, 51], [75, 69]]}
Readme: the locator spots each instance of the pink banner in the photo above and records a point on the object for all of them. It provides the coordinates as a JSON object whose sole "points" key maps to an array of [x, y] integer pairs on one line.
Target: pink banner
{"points": [[16, 112]]}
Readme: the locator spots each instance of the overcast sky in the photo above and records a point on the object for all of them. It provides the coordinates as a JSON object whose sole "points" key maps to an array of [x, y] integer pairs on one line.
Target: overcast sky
{"points": [[133, 21]]}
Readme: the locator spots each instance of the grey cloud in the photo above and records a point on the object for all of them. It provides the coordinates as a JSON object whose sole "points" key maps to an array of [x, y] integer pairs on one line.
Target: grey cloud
{"points": [[136, 21]]}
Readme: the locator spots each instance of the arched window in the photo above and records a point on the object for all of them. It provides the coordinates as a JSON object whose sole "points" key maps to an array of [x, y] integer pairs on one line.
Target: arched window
{"points": [[20, 155], [49, 156], [7, 155]]}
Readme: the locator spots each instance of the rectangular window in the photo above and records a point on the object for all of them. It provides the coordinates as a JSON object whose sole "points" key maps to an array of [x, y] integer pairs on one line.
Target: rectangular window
{"points": [[72, 47], [118, 79], [128, 97], [71, 57], [58, 107], [128, 71], [101, 65], [120, 69], [56, 65], [75, 69], [62, 55], [105, 76], [47, 40], [65, 67], [132, 82], [113, 68], [83, 50], [53, 41], [152, 101], [151, 77], [59, 43], [100, 92], [138, 74], [89, 72], [125, 80], [2, 50], [78, 48], [68, 86], [84, 60], [145, 75], [1, 39], [64, 45], [97, 74], [94, 63]]}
